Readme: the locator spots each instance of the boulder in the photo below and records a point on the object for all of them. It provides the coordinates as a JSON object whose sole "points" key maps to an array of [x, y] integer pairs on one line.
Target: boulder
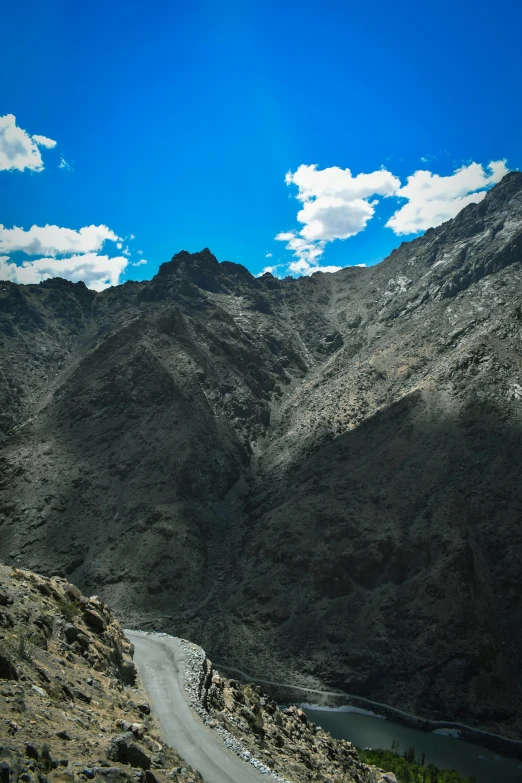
{"points": [[138, 729], [82, 696], [94, 620], [7, 668], [71, 591], [31, 751], [128, 671], [71, 632], [45, 623], [114, 775], [123, 749]]}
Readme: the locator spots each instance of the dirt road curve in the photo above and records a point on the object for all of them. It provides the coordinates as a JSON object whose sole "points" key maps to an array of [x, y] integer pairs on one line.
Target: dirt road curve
{"points": [[160, 664]]}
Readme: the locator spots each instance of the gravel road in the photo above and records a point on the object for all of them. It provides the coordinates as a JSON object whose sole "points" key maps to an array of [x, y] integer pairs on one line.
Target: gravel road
{"points": [[162, 662]]}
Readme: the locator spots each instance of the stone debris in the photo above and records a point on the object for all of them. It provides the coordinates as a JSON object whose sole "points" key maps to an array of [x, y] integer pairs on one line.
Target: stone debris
{"points": [[309, 752], [194, 661], [68, 712]]}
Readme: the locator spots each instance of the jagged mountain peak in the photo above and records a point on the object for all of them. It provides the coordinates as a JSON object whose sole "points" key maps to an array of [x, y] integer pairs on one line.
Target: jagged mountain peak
{"points": [[205, 271]]}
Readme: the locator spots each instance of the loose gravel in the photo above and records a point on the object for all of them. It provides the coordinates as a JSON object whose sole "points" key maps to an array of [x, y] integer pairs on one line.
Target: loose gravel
{"points": [[194, 658]]}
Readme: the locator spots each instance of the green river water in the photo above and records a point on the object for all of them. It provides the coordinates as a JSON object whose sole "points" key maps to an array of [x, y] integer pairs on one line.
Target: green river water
{"points": [[445, 752]]}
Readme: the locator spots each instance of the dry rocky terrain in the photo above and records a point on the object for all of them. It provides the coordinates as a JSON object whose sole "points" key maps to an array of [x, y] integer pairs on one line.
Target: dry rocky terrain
{"points": [[284, 739], [316, 479], [70, 709]]}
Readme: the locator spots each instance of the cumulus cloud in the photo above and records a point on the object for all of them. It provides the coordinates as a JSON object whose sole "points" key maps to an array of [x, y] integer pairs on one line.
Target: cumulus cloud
{"points": [[18, 149], [61, 252], [432, 199], [54, 240], [140, 262], [43, 141], [270, 269], [97, 272], [336, 205]]}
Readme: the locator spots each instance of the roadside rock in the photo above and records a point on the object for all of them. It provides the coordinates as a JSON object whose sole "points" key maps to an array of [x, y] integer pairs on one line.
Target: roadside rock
{"points": [[283, 743], [57, 714], [123, 748], [94, 620]]}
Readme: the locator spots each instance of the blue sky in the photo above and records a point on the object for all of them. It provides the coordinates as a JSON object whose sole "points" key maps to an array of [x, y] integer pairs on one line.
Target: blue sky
{"points": [[177, 124]]}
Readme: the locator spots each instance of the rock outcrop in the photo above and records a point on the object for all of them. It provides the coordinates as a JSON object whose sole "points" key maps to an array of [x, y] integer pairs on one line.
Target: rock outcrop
{"points": [[67, 711], [283, 739], [316, 479]]}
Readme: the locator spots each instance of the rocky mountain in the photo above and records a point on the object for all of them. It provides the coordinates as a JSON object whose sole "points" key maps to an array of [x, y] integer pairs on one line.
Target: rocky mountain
{"points": [[70, 709], [316, 479], [73, 708]]}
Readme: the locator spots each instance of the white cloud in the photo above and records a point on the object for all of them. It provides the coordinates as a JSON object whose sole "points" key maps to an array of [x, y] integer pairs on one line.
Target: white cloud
{"points": [[268, 255], [43, 141], [336, 205], [97, 272], [271, 269], [54, 240], [61, 252], [139, 263], [302, 267], [433, 199], [18, 149], [64, 165]]}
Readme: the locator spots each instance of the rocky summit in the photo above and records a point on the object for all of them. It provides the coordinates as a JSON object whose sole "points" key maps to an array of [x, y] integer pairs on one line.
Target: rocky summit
{"points": [[317, 479]]}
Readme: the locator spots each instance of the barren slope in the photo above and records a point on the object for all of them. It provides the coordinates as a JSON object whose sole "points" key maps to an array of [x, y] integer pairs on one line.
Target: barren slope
{"points": [[318, 474]]}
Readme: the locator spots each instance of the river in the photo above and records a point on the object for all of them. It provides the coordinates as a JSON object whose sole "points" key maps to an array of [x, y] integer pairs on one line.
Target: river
{"points": [[367, 730]]}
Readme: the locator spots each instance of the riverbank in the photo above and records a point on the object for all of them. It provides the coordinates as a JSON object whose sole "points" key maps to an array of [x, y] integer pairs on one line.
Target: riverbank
{"points": [[293, 694], [403, 750]]}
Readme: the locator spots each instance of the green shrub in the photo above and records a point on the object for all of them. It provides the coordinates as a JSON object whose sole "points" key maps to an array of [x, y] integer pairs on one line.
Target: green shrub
{"points": [[410, 769], [68, 608]]}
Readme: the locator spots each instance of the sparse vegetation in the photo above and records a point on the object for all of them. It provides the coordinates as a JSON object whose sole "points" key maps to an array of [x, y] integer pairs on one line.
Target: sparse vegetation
{"points": [[68, 608], [25, 648], [61, 701], [410, 768]]}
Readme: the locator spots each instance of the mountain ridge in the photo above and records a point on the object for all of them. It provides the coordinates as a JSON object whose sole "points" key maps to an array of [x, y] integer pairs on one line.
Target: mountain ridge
{"points": [[317, 476]]}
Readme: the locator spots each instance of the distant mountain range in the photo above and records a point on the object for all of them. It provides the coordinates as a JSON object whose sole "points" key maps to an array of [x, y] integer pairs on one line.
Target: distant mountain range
{"points": [[316, 479]]}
